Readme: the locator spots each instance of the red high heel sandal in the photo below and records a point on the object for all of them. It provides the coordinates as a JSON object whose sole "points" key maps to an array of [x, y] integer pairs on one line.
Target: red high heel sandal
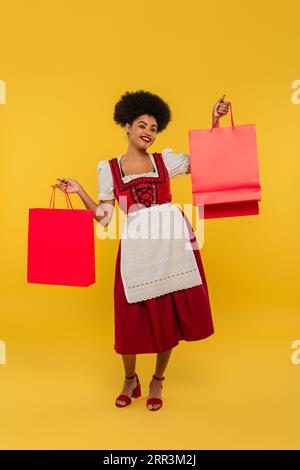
{"points": [[155, 401], [136, 392]]}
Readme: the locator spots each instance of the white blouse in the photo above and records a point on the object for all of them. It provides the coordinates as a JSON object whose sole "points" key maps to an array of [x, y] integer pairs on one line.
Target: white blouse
{"points": [[176, 164]]}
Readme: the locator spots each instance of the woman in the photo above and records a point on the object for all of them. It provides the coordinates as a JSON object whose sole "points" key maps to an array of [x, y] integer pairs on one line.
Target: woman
{"points": [[152, 324]]}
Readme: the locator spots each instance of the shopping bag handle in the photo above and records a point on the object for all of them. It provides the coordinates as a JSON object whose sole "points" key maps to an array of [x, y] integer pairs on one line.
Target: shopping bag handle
{"points": [[231, 117], [69, 204]]}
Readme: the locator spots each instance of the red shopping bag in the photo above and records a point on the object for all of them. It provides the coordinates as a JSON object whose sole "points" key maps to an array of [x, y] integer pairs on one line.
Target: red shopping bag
{"points": [[224, 170], [61, 246]]}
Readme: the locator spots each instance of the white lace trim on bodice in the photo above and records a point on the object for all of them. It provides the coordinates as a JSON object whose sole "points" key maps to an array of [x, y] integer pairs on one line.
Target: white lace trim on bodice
{"points": [[151, 174]]}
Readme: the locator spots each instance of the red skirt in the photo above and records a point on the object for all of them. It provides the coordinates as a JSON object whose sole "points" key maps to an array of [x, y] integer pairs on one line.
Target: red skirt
{"points": [[158, 324]]}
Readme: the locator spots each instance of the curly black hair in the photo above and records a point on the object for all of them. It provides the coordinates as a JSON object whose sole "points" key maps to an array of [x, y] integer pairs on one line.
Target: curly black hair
{"points": [[134, 104]]}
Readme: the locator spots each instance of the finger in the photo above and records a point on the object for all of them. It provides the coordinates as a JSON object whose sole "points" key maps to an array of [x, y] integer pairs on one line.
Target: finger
{"points": [[219, 105]]}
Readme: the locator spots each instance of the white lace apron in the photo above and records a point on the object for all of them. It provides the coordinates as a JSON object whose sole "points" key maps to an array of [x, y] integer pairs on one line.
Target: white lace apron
{"points": [[156, 253]]}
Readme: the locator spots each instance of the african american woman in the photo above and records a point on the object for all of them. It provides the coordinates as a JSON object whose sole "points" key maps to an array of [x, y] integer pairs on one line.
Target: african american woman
{"points": [[160, 290]]}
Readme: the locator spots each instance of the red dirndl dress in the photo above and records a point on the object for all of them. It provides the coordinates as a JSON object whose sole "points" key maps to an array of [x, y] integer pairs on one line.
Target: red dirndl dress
{"points": [[158, 324]]}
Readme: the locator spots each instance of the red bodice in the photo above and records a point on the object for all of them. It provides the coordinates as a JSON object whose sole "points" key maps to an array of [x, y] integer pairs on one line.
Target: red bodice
{"points": [[142, 191]]}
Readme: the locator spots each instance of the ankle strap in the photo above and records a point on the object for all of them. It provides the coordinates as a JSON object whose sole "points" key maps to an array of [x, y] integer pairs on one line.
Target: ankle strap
{"points": [[158, 378], [130, 377]]}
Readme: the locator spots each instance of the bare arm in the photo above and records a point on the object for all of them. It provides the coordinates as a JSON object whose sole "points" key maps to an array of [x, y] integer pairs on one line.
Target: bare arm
{"points": [[214, 120], [90, 204]]}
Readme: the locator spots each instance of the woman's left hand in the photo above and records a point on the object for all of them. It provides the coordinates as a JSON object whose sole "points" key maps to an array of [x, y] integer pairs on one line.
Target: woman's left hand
{"points": [[221, 108]]}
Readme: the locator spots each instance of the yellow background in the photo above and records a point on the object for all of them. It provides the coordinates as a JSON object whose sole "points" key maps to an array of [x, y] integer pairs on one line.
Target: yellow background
{"points": [[65, 64]]}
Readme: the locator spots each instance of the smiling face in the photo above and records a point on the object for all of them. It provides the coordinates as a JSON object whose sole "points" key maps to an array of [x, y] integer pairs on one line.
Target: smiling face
{"points": [[143, 131]]}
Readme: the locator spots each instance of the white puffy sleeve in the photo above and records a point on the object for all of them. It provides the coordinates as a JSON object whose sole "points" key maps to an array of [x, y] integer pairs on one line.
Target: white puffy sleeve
{"points": [[105, 181], [176, 163]]}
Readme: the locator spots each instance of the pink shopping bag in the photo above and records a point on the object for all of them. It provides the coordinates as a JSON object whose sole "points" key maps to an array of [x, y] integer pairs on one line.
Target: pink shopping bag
{"points": [[61, 245], [224, 170]]}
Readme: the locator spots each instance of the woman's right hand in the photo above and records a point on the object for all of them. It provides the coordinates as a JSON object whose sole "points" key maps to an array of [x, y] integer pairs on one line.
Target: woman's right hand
{"points": [[67, 185]]}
